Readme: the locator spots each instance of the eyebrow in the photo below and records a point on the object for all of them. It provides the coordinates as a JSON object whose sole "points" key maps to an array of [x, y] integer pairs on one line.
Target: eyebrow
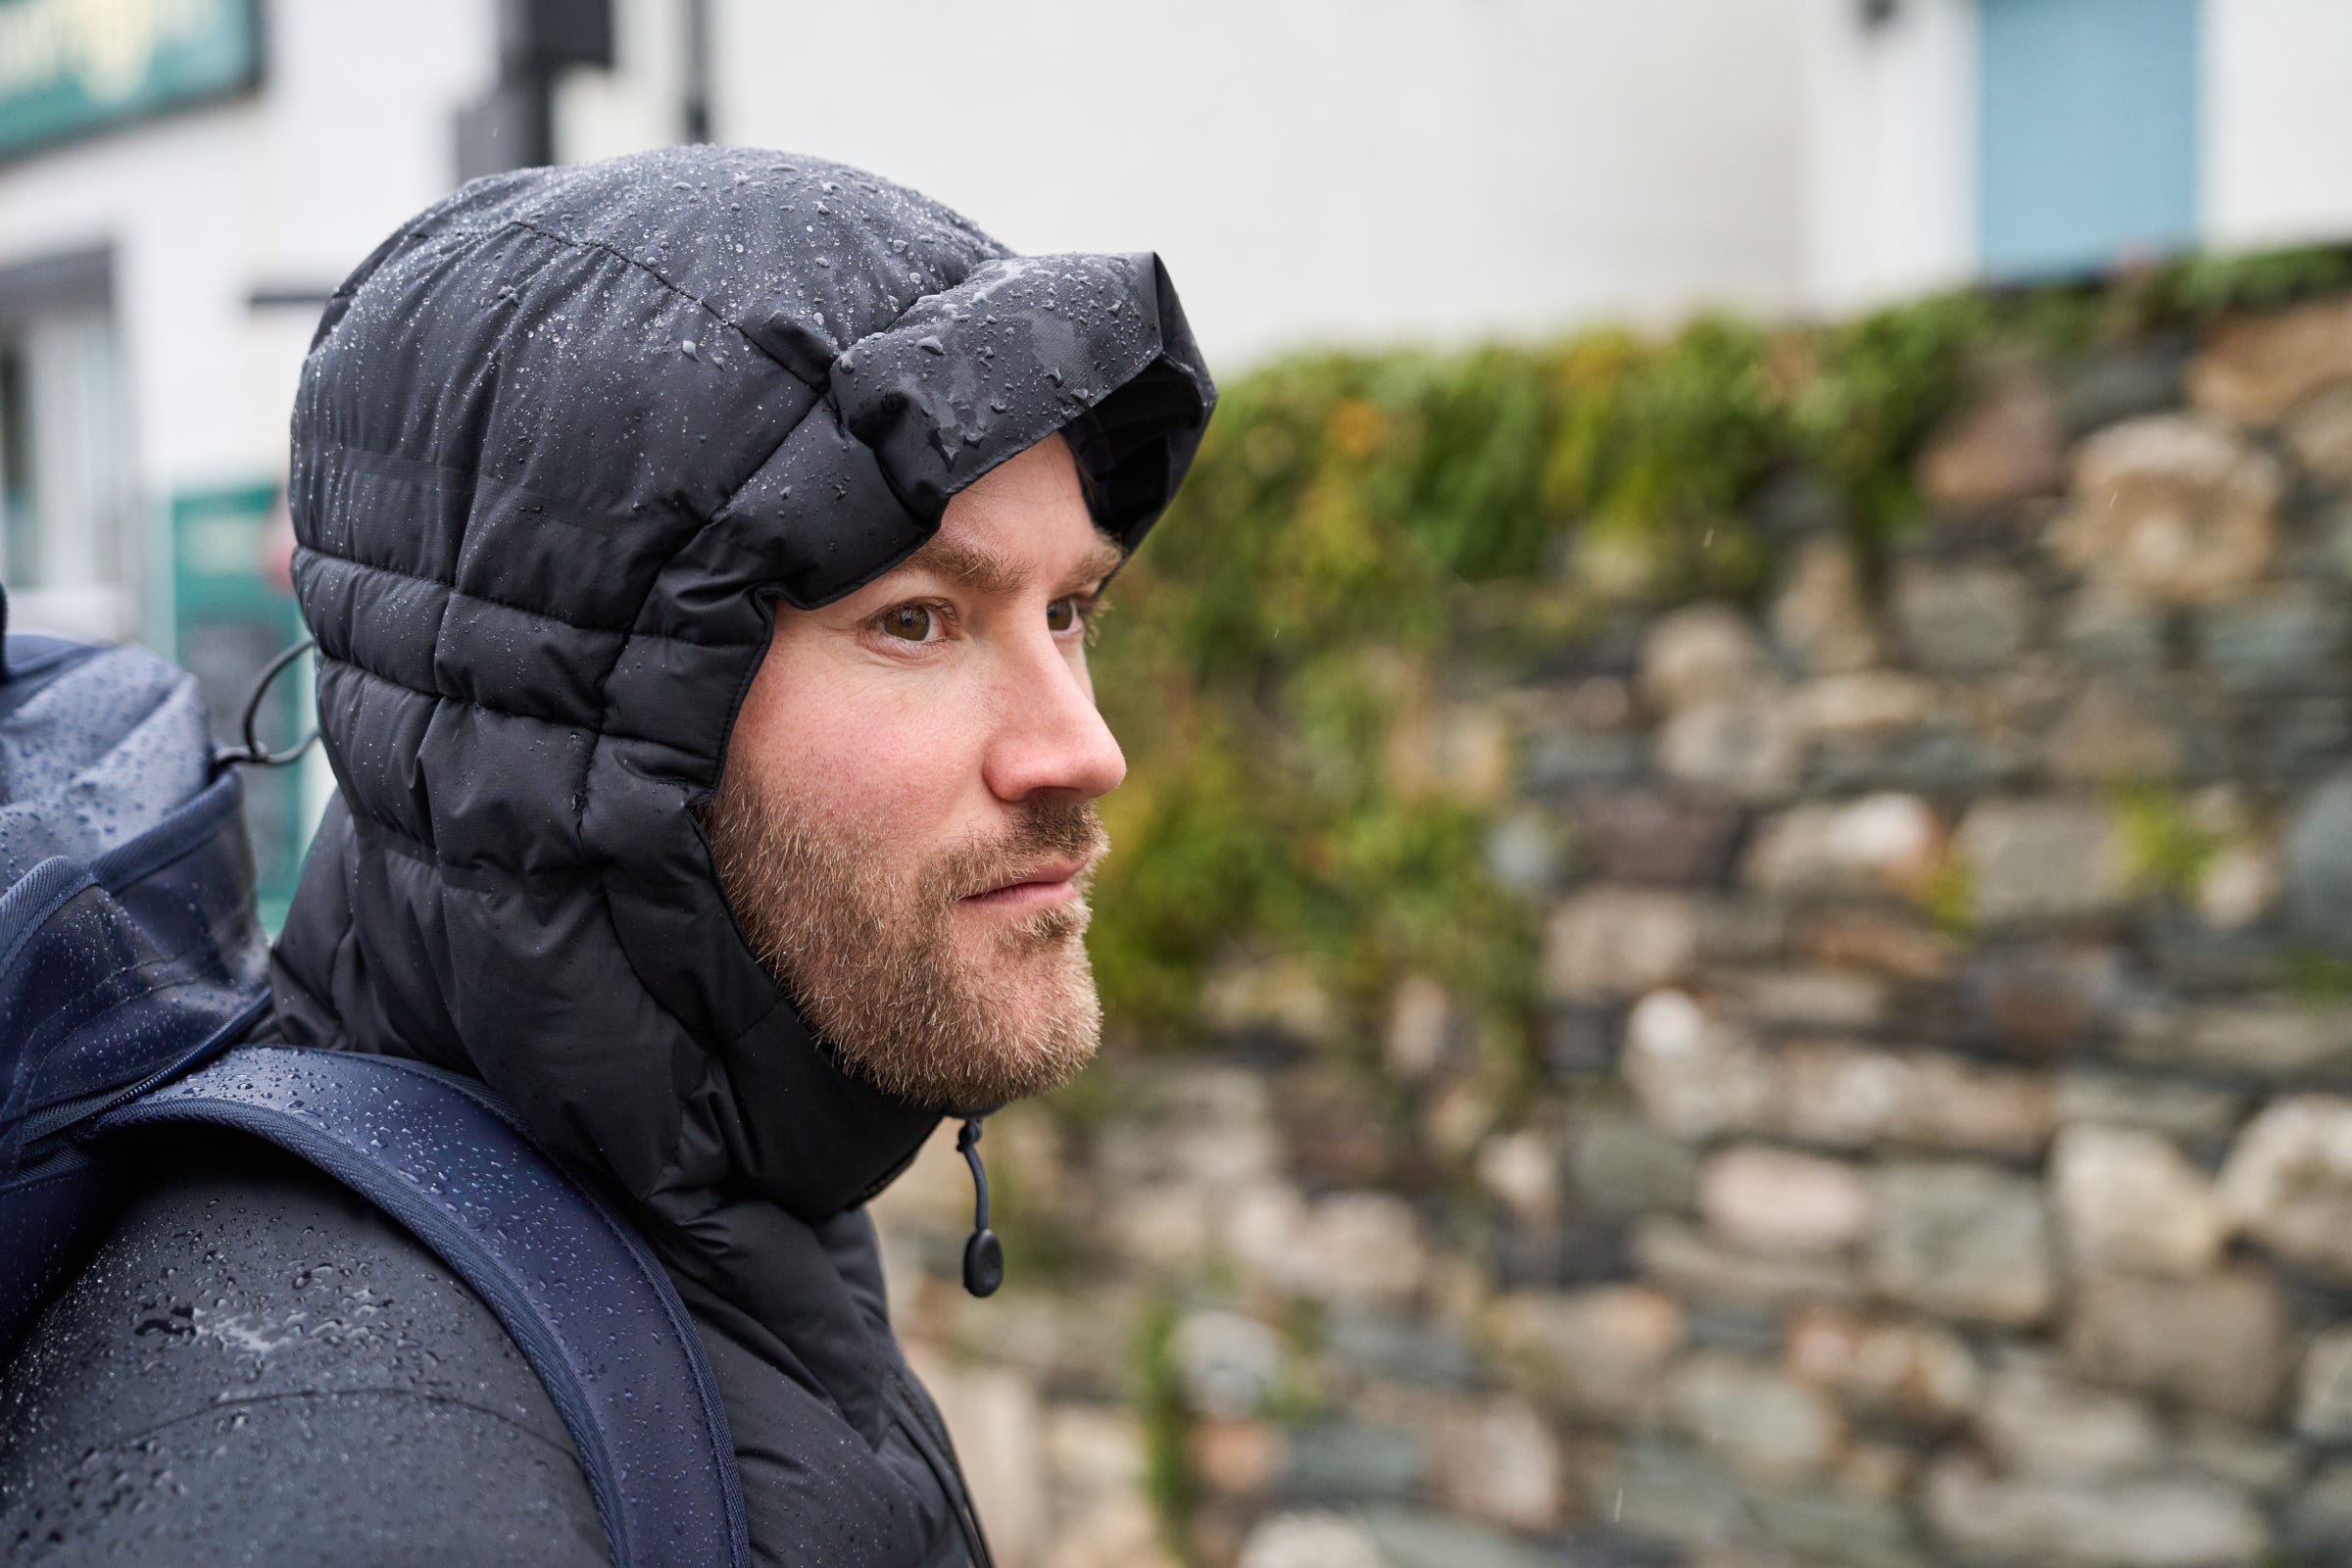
{"points": [[986, 571]]}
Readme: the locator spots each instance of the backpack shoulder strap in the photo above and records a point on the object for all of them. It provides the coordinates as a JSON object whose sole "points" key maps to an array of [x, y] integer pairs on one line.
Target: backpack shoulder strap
{"points": [[576, 1287]]}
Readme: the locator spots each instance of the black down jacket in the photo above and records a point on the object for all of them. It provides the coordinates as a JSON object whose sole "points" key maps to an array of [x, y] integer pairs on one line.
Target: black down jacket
{"points": [[562, 444]]}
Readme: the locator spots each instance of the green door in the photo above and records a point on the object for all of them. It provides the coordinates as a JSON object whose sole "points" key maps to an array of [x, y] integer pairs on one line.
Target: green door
{"points": [[231, 619]]}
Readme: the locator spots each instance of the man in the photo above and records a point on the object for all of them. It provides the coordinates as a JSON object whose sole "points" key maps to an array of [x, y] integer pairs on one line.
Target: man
{"points": [[701, 548]]}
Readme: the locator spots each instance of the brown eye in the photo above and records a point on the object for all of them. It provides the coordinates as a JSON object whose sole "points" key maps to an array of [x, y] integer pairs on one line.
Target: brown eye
{"points": [[909, 621], [1061, 614]]}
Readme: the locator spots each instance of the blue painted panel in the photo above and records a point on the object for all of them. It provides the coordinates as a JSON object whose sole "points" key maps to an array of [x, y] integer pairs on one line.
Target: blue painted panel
{"points": [[2087, 133]]}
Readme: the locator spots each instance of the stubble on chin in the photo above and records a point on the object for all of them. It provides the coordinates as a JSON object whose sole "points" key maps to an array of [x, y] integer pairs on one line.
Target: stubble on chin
{"points": [[939, 1004]]}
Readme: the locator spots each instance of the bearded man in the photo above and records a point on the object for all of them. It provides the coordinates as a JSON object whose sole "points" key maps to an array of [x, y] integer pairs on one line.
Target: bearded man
{"points": [[701, 549]]}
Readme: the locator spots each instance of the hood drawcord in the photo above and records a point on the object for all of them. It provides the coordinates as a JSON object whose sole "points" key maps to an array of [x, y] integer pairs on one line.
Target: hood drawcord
{"points": [[983, 1255]]}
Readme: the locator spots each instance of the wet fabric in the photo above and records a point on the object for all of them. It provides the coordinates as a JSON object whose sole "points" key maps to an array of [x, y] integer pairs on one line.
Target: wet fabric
{"points": [[97, 745], [257, 1368], [561, 447], [128, 945]]}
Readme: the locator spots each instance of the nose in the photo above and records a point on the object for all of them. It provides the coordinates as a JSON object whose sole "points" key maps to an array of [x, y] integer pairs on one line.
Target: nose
{"points": [[1049, 737]]}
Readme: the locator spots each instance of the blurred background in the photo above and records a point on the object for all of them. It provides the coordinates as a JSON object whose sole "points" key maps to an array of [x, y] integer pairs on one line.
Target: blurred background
{"points": [[1733, 923]]}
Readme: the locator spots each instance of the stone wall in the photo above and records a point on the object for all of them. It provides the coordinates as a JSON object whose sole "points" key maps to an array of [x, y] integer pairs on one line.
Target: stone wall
{"points": [[1940, 1150]]}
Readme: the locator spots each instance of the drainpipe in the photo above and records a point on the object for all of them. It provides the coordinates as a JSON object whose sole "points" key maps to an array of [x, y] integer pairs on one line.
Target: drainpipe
{"points": [[697, 70]]}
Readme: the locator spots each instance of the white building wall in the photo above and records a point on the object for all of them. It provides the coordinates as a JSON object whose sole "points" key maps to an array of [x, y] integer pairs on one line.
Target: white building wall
{"points": [[1324, 171], [2277, 90], [1316, 171], [350, 133], [1889, 206], [641, 102], [1891, 136]]}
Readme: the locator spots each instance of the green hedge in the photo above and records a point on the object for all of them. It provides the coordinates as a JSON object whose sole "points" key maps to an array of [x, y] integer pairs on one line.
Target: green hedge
{"points": [[1363, 529]]}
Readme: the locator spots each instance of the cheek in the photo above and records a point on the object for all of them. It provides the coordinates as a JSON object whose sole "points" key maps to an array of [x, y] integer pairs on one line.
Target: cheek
{"points": [[875, 758]]}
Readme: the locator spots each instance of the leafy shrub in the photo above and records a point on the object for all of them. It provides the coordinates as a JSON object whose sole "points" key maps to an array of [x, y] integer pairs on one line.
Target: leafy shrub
{"points": [[1366, 537]]}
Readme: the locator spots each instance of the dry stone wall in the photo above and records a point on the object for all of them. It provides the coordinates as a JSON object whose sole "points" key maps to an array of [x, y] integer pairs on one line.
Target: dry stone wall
{"points": [[1942, 1147]]}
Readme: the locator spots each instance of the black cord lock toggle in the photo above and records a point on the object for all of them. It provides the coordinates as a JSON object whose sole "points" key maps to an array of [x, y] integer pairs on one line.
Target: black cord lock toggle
{"points": [[983, 1255]]}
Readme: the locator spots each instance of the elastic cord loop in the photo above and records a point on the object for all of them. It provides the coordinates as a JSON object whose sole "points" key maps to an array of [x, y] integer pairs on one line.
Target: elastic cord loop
{"points": [[253, 751]]}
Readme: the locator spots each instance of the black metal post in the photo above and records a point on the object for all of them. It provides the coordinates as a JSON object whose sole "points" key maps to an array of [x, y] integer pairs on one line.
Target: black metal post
{"points": [[698, 70], [513, 127]]}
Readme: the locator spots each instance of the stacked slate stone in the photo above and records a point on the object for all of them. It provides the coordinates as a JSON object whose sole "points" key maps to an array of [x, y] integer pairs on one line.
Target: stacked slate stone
{"points": [[1945, 1149]]}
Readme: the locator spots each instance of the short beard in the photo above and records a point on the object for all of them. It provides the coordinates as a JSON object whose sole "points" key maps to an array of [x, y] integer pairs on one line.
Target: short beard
{"points": [[871, 962]]}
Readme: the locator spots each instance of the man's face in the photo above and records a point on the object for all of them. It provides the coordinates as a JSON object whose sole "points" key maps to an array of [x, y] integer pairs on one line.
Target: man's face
{"points": [[904, 826]]}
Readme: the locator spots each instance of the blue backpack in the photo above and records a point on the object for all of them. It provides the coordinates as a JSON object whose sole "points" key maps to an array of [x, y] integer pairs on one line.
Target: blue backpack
{"points": [[132, 965]]}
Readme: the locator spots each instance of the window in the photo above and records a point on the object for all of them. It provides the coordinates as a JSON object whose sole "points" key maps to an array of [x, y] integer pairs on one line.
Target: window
{"points": [[69, 538], [2087, 133]]}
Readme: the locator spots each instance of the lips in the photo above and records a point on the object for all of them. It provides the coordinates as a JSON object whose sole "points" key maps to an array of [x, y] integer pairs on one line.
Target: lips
{"points": [[1041, 884]]}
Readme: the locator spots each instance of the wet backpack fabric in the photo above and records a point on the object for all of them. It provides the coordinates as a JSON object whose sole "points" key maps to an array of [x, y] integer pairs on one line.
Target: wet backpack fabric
{"points": [[127, 944], [562, 446], [131, 966]]}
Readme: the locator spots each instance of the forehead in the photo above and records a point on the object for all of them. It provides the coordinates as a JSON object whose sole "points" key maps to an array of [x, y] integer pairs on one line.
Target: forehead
{"points": [[1026, 518]]}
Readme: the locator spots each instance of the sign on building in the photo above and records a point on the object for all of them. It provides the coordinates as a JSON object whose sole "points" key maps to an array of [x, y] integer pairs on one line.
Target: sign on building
{"points": [[71, 68]]}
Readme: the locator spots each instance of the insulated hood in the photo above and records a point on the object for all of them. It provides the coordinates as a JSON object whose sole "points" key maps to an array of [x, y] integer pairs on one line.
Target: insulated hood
{"points": [[561, 445]]}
